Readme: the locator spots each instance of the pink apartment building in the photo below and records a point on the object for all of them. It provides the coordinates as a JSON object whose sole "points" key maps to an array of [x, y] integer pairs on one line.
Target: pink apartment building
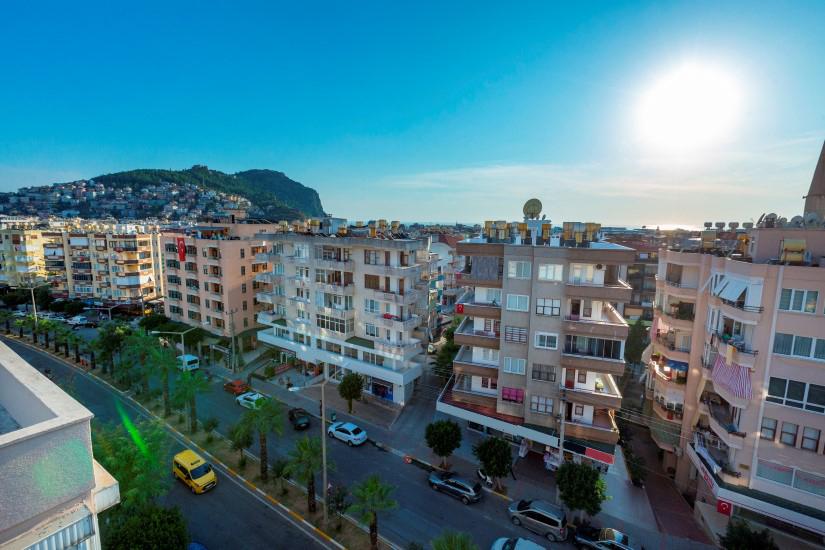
{"points": [[736, 367]]}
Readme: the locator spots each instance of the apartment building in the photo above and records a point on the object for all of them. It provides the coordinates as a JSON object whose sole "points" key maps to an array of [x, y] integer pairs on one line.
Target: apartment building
{"points": [[21, 255], [350, 299], [105, 264], [210, 275], [737, 366], [543, 337], [52, 487], [641, 274]]}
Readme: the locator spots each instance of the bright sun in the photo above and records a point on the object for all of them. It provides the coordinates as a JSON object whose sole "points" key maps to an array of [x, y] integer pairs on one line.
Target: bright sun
{"points": [[691, 107]]}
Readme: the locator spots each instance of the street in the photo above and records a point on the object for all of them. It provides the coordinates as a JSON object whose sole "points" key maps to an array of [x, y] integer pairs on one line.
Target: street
{"points": [[218, 518], [227, 517]]}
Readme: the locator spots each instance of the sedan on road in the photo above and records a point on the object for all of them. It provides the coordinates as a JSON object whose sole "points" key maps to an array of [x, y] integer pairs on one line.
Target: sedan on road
{"points": [[250, 400], [515, 544], [455, 486], [299, 418], [348, 432], [236, 387]]}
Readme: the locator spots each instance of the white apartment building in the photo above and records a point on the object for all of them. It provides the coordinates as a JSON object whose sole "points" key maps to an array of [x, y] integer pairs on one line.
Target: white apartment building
{"points": [[350, 299]]}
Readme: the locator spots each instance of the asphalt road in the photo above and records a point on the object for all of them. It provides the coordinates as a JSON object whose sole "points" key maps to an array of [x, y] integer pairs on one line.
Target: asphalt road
{"points": [[227, 517]]}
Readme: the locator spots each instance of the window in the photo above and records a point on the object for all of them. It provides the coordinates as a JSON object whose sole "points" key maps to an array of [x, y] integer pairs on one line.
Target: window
{"points": [[593, 347], [372, 306], [512, 395], [371, 330], [243, 268], [546, 340], [768, 428], [243, 288], [798, 300], [334, 324], [802, 346], [245, 322], [243, 254], [582, 377], [244, 306], [805, 347], [810, 439], [788, 436], [545, 373], [518, 302], [541, 404], [550, 272], [489, 383], [548, 306], [516, 335], [514, 365], [518, 270], [579, 410], [782, 343], [172, 264], [373, 358]]}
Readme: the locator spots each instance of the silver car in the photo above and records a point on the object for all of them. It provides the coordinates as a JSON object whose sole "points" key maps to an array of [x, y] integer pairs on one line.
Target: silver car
{"points": [[541, 517]]}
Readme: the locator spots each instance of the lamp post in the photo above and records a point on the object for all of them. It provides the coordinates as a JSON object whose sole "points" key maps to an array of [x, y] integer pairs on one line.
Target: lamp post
{"points": [[182, 347], [34, 302], [323, 433]]}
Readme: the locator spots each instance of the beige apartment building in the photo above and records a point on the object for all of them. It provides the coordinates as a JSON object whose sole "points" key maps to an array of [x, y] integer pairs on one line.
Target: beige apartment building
{"points": [[210, 275], [737, 368], [51, 487], [542, 340], [102, 263], [351, 299]]}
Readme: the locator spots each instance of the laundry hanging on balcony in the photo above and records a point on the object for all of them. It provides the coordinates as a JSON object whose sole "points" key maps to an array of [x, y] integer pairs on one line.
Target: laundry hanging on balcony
{"points": [[734, 378]]}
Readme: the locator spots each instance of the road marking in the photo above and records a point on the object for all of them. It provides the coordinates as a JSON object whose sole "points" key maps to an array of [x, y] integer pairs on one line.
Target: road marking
{"points": [[296, 515]]}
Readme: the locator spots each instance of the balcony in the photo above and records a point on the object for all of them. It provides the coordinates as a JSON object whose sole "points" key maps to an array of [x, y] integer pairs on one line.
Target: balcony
{"points": [[265, 297], [665, 342], [464, 363], [744, 354], [467, 336], [412, 270], [295, 259], [604, 393], [573, 358], [299, 299], [720, 419], [465, 278], [670, 411], [346, 289], [615, 291], [395, 322], [402, 298], [738, 310], [268, 277], [399, 347], [335, 264], [667, 378], [603, 428], [270, 318], [611, 325], [674, 287], [678, 315], [470, 307]]}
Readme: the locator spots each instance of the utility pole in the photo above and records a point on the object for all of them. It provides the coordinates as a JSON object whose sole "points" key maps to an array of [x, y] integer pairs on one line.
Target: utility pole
{"points": [[561, 435], [232, 359]]}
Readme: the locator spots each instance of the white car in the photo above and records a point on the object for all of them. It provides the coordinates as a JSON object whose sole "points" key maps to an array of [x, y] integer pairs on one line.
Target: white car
{"points": [[250, 400], [348, 432], [515, 544]]}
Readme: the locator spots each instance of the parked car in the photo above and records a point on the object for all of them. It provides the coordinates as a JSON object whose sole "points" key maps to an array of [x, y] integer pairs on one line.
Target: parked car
{"points": [[541, 517], [347, 432], [194, 471], [250, 400], [515, 544], [299, 418], [79, 321], [20, 313], [602, 539], [455, 486], [236, 387], [188, 362]]}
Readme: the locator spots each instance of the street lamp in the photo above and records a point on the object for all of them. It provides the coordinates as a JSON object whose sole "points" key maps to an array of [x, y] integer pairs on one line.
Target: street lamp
{"points": [[323, 432], [182, 347], [34, 303]]}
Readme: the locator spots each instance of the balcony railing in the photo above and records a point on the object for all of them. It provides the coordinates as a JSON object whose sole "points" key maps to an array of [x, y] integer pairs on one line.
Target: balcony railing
{"points": [[741, 306], [737, 342], [670, 343]]}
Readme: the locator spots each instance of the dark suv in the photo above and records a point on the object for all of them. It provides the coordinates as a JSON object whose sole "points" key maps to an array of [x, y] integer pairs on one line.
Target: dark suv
{"points": [[458, 487]]}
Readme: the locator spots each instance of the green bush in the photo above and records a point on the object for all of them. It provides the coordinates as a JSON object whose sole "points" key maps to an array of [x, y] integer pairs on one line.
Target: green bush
{"points": [[74, 308], [269, 371]]}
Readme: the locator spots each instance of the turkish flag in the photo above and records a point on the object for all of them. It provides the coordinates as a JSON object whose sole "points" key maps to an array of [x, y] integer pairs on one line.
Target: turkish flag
{"points": [[459, 308], [181, 249], [724, 507]]}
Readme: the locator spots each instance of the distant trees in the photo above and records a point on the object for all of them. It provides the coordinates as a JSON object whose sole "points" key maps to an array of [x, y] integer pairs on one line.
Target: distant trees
{"points": [[444, 359], [443, 437], [495, 457], [636, 342], [145, 526]]}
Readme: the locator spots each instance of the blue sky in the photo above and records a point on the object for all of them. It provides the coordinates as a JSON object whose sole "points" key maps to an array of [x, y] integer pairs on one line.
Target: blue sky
{"points": [[426, 111]]}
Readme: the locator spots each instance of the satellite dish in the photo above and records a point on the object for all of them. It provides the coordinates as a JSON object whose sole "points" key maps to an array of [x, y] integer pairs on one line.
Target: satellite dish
{"points": [[532, 209], [781, 222], [796, 221], [812, 219]]}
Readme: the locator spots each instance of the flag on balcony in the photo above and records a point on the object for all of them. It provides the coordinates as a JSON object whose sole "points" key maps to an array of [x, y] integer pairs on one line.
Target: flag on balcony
{"points": [[734, 378]]}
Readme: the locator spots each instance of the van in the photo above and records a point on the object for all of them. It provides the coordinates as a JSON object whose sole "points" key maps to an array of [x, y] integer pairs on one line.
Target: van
{"points": [[541, 517], [188, 362], [194, 471]]}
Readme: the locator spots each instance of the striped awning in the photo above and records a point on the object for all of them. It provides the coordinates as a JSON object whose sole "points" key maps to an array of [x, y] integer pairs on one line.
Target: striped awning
{"points": [[734, 378]]}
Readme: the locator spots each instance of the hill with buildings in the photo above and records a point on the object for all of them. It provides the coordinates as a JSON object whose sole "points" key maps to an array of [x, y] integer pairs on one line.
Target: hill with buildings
{"points": [[169, 194]]}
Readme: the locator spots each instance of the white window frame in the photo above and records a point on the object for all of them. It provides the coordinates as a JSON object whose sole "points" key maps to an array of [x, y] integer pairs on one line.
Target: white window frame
{"points": [[539, 402], [371, 330], [515, 365], [554, 306], [519, 269], [518, 298], [551, 272], [539, 335], [803, 300]]}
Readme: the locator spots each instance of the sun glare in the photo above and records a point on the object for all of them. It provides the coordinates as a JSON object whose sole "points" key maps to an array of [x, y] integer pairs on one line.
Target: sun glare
{"points": [[691, 107]]}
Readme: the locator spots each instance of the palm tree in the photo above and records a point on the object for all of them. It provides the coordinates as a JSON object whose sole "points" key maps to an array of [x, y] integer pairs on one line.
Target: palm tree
{"points": [[45, 326], [371, 496], [73, 339], [137, 351], [24, 324], [188, 386], [164, 361], [304, 461], [59, 334], [239, 439], [5, 318], [268, 417], [452, 540]]}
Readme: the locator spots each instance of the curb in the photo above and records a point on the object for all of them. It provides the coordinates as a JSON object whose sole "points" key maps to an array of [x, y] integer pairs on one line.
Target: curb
{"points": [[251, 486]]}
